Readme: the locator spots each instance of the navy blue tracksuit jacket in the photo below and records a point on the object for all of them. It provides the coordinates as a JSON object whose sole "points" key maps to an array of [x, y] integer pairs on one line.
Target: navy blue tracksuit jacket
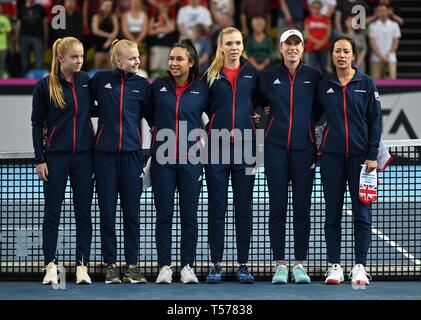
{"points": [[230, 107], [176, 112], [351, 136], [67, 151], [290, 151], [122, 100]]}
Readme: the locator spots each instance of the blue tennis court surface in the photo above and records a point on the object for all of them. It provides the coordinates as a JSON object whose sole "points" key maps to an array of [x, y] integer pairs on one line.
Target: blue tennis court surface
{"points": [[262, 290]]}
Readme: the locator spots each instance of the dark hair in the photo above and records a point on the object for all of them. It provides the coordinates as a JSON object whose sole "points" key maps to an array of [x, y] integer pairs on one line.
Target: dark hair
{"points": [[193, 56], [352, 42]]}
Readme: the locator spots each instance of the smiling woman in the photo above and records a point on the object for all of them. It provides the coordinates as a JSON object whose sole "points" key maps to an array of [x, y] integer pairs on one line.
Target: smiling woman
{"points": [[122, 98]]}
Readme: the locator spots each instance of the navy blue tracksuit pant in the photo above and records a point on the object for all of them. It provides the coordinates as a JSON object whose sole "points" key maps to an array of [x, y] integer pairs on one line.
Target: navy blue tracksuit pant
{"points": [[79, 167], [217, 179], [281, 167], [187, 178], [336, 170], [119, 173]]}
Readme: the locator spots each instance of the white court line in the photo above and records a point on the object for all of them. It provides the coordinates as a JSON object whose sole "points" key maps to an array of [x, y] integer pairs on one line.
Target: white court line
{"points": [[392, 243]]}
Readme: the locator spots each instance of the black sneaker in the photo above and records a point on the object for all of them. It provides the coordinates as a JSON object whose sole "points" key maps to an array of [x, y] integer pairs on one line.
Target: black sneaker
{"points": [[243, 274], [112, 274], [132, 274]]}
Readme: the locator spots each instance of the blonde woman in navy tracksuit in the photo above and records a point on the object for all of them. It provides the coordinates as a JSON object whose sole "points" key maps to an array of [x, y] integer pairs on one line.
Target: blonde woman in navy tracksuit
{"points": [[233, 87], [178, 102], [62, 103], [350, 139], [122, 98], [291, 93]]}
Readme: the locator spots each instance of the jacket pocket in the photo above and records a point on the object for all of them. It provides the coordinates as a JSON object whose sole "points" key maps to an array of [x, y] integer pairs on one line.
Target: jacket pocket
{"points": [[91, 128], [310, 131], [211, 123], [269, 126], [50, 138], [155, 130], [253, 126], [99, 134], [325, 136], [140, 138]]}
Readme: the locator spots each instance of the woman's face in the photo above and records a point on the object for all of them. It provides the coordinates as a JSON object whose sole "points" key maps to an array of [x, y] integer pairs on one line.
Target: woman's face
{"points": [[107, 7], [128, 60], [232, 47], [179, 63], [292, 49], [343, 55], [72, 59]]}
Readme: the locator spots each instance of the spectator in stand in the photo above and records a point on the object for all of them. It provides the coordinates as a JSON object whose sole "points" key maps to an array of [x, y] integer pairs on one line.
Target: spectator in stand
{"points": [[291, 15], [191, 15], [359, 37], [344, 10], [203, 47], [394, 11], [5, 28], [162, 35], [105, 29], [134, 26], [123, 6], [259, 45], [31, 34], [254, 8], [74, 22], [170, 4], [90, 8], [328, 7], [203, 3], [384, 37], [9, 9], [222, 15], [317, 29]]}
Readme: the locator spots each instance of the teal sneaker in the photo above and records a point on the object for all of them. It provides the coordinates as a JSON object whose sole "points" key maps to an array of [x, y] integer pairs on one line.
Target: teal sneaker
{"points": [[281, 274], [299, 274]]}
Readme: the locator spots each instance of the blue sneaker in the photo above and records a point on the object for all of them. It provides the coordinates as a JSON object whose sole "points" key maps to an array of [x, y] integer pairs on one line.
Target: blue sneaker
{"points": [[243, 274], [215, 275], [299, 274]]}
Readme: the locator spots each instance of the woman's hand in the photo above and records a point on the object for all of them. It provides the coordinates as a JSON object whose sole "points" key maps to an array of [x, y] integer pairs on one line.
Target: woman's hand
{"points": [[42, 171], [371, 165], [256, 118]]}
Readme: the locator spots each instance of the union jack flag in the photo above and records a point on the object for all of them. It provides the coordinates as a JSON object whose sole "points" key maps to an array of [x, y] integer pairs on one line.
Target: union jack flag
{"points": [[368, 193]]}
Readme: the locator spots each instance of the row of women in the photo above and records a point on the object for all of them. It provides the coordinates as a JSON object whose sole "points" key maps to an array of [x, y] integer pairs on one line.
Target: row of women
{"points": [[294, 96]]}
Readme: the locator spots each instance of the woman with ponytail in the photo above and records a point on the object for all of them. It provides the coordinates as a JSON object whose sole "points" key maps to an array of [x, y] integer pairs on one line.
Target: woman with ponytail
{"points": [[122, 98], [178, 102], [61, 103], [233, 84]]}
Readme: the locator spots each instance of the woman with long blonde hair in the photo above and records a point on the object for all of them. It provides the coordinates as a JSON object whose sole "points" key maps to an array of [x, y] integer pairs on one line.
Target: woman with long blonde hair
{"points": [[122, 98], [61, 102], [233, 86]]}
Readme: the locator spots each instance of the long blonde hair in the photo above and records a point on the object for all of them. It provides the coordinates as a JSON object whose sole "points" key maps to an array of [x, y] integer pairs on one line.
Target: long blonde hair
{"points": [[60, 47], [218, 61], [116, 48]]}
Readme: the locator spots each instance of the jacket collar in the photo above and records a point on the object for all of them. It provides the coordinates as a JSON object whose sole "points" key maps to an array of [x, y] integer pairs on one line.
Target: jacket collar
{"points": [[333, 77], [121, 74]]}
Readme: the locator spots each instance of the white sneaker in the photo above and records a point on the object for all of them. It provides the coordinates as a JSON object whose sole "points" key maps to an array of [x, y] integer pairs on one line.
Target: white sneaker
{"points": [[187, 275], [335, 274], [82, 276], [359, 275], [51, 274], [165, 275]]}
